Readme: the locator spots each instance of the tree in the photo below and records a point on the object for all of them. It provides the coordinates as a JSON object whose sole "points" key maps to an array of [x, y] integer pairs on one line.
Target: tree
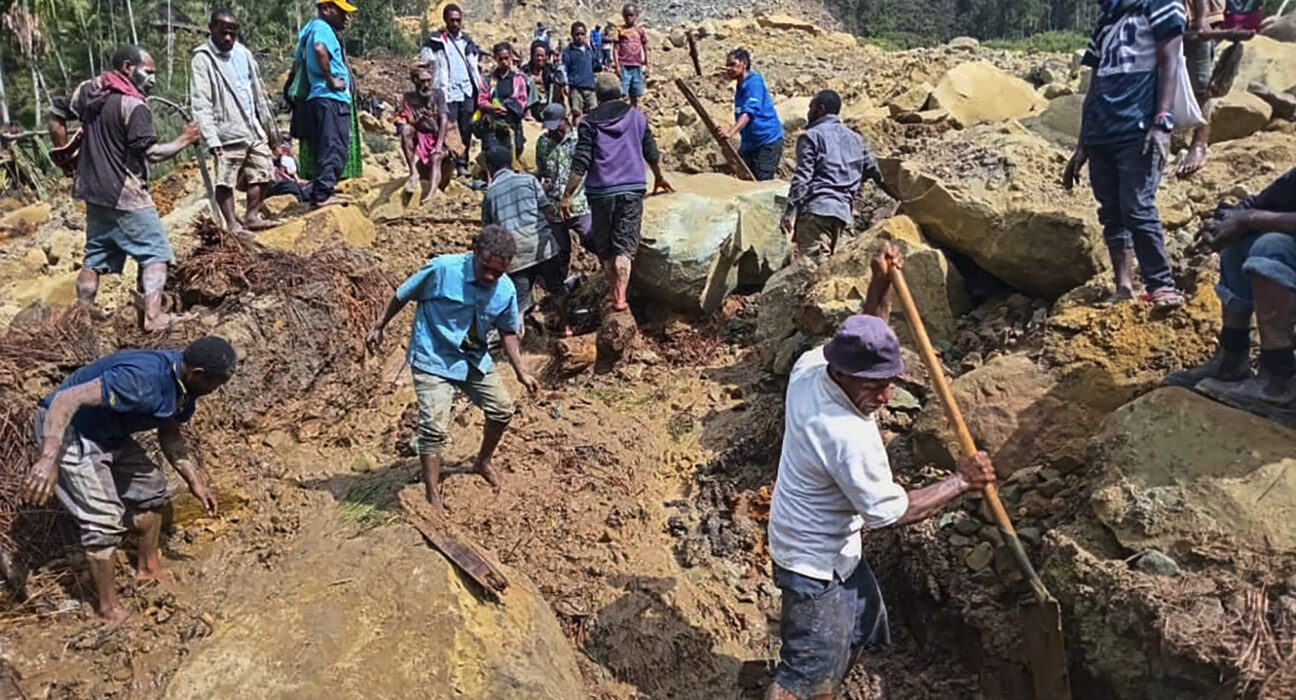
{"points": [[4, 102]]}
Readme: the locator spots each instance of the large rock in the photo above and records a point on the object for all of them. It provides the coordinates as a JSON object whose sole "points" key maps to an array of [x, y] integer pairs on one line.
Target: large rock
{"points": [[1281, 28], [804, 303], [1283, 103], [393, 615], [26, 218], [789, 23], [978, 92], [792, 112], [1180, 471], [911, 100], [1237, 115], [1060, 121], [1269, 62], [1017, 412], [1011, 217], [321, 229], [714, 234]]}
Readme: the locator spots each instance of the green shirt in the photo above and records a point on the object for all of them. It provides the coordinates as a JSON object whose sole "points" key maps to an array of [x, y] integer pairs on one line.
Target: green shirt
{"points": [[553, 166]]}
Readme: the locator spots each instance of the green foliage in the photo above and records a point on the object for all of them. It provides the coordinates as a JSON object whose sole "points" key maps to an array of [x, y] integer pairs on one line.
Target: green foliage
{"points": [[1049, 42], [377, 143], [900, 24], [898, 41]]}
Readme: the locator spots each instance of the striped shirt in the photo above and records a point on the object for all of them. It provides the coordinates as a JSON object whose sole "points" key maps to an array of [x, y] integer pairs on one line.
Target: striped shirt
{"points": [[515, 201], [1122, 53]]}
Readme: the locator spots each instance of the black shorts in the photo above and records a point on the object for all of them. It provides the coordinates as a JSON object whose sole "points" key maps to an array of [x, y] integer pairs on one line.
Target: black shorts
{"points": [[763, 161], [616, 224], [552, 275]]}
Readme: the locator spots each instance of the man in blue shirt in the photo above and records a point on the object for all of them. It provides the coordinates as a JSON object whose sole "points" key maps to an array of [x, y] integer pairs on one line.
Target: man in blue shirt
{"points": [[90, 459], [461, 299], [1125, 137], [327, 117], [755, 118]]}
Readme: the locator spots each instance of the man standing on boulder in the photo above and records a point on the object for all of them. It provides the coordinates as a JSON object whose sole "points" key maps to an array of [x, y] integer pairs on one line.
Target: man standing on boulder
{"points": [[461, 299], [325, 125], [91, 461], [761, 147], [834, 479], [1125, 137], [831, 164], [612, 144], [454, 57], [117, 145], [1257, 246], [230, 105]]}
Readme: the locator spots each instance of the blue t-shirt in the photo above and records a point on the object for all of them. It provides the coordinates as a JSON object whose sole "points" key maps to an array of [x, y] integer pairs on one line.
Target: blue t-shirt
{"points": [[141, 391], [455, 316], [317, 31], [753, 98], [580, 63], [1122, 53]]}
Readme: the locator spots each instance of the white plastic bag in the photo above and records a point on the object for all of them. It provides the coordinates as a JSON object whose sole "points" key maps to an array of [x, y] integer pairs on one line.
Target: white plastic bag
{"points": [[1187, 113]]}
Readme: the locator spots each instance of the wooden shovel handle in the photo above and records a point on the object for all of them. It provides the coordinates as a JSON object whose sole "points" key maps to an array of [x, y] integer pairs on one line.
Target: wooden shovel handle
{"points": [[941, 384]]}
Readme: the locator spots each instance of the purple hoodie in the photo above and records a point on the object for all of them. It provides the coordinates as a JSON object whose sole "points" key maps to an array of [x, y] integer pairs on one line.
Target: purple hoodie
{"points": [[613, 142]]}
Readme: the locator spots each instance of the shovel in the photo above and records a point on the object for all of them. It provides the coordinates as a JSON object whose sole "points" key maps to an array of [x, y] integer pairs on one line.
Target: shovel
{"points": [[1042, 627]]}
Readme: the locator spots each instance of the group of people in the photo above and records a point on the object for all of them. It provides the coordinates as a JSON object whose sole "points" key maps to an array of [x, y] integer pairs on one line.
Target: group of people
{"points": [[834, 477]]}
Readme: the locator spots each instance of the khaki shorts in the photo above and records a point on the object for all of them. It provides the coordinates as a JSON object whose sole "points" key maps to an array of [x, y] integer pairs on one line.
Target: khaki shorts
{"points": [[241, 165], [435, 396], [816, 236]]}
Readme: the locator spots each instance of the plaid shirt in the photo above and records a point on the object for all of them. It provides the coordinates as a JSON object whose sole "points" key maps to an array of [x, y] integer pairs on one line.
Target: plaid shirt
{"points": [[554, 164], [514, 201]]}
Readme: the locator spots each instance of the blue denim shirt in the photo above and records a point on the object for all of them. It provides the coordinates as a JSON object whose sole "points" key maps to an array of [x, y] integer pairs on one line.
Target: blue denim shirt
{"points": [[455, 316], [141, 390]]}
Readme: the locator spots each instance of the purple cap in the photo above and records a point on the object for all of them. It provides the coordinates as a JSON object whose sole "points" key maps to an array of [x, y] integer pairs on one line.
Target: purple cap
{"points": [[865, 347]]}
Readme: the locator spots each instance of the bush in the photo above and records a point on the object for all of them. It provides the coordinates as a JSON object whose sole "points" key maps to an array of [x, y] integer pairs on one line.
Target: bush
{"points": [[898, 41], [1044, 42], [377, 143]]}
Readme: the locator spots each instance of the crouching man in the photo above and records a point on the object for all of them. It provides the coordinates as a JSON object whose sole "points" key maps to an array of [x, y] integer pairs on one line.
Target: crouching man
{"points": [[461, 299], [834, 479], [99, 473]]}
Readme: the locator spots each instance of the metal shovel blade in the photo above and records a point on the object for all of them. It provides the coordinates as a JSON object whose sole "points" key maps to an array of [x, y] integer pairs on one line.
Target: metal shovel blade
{"points": [[1042, 635]]}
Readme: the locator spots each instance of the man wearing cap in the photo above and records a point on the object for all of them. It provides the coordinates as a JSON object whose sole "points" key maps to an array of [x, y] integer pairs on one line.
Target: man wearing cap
{"points": [[326, 122], [554, 151], [834, 480]]}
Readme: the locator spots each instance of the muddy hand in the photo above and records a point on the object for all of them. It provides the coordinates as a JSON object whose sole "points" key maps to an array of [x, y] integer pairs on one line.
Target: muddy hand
{"points": [[205, 497], [787, 223], [1071, 174], [374, 341], [39, 483], [975, 470], [661, 184], [529, 382]]}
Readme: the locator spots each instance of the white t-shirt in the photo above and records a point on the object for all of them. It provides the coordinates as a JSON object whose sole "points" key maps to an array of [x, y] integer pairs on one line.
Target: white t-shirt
{"points": [[834, 477]]}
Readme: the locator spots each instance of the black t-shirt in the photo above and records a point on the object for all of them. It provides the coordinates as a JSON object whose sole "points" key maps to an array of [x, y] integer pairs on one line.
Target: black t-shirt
{"points": [[117, 132]]}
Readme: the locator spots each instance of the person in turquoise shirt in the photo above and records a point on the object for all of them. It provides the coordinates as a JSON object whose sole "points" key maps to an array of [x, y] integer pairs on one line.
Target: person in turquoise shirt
{"points": [[754, 117], [326, 119], [460, 300]]}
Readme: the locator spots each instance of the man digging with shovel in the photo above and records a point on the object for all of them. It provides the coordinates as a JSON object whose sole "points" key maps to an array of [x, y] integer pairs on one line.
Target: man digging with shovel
{"points": [[834, 479]]}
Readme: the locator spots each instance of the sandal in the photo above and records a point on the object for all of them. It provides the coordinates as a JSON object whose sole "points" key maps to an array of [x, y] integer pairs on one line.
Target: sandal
{"points": [[1165, 298]]}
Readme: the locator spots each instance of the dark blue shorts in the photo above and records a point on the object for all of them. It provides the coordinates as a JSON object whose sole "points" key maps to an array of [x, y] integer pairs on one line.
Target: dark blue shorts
{"points": [[822, 624]]}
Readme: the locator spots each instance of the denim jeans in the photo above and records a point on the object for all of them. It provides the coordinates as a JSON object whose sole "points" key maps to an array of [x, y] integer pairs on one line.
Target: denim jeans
{"points": [[822, 623], [1124, 181], [1270, 255]]}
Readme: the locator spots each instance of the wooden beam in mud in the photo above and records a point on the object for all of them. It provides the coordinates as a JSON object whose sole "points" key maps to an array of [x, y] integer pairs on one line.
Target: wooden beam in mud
{"points": [[463, 554], [730, 153]]}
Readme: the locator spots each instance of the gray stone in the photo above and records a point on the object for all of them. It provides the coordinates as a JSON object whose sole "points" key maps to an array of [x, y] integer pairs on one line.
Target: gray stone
{"points": [[980, 557], [966, 524], [1156, 563]]}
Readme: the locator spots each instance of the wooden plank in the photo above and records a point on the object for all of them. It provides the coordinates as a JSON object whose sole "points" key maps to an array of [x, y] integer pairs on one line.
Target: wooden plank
{"points": [[730, 153], [437, 531], [693, 53]]}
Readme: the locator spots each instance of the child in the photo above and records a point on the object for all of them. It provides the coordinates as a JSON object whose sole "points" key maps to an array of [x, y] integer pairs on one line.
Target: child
{"points": [[630, 59]]}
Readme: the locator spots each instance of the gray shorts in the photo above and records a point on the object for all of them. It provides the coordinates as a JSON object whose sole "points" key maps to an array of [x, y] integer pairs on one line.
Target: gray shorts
{"points": [[112, 235], [97, 485], [435, 396]]}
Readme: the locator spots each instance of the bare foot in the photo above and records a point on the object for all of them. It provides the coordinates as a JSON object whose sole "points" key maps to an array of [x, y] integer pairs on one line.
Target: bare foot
{"points": [[1194, 160], [565, 331], [113, 616], [153, 573], [487, 472], [431, 195], [333, 201], [1121, 295], [258, 223], [438, 507], [162, 322]]}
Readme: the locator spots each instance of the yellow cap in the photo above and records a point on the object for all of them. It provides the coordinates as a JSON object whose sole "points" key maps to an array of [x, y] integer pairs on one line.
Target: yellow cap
{"points": [[343, 4]]}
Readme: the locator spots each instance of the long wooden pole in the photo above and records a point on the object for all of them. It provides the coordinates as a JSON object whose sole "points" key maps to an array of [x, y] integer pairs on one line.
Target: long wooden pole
{"points": [[730, 153]]}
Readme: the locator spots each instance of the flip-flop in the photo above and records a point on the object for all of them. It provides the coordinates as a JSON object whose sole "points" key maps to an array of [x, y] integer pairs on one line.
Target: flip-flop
{"points": [[1165, 298]]}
